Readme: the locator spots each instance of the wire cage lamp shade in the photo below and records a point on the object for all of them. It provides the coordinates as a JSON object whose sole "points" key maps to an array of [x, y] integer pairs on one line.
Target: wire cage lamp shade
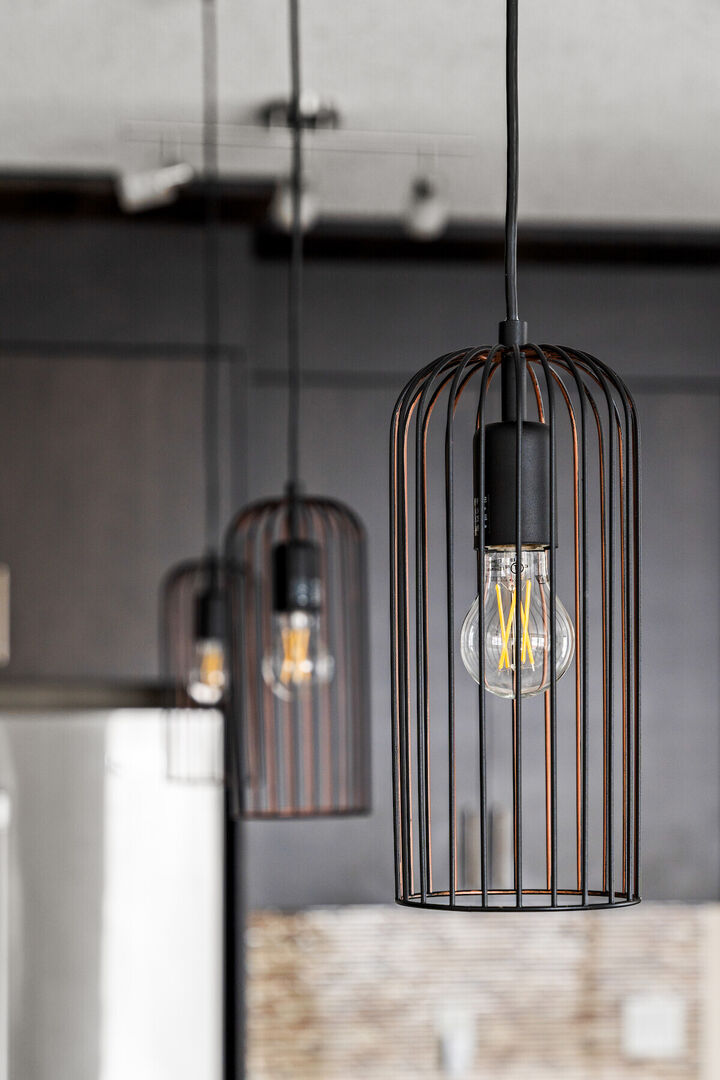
{"points": [[194, 617], [481, 717], [299, 688]]}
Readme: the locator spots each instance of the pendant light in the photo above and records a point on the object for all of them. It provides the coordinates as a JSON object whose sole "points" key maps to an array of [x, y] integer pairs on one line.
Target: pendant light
{"points": [[194, 600], [529, 703], [299, 625]]}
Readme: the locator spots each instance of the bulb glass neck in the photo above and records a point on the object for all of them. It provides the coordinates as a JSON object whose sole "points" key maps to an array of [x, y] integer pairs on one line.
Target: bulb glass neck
{"points": [[501, 564]]}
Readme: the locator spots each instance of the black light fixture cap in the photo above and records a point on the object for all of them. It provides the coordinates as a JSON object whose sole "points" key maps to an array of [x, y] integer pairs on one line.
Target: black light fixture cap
{"points": [[499, 511], [296, 576], [211, 615], [512, 332]]}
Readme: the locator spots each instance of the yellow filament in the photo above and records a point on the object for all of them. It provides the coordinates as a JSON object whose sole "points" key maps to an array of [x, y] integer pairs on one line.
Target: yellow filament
{"points": [[295, 666], [524, 615], [506, 627], [212, 667]]}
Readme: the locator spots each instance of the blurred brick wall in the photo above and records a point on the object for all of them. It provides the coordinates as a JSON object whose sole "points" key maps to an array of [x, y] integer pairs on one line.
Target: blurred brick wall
{"points": [[364, 993]]}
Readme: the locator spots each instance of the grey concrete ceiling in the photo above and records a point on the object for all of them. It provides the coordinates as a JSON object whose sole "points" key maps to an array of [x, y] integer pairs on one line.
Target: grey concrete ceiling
{"points": [[620, 100]]}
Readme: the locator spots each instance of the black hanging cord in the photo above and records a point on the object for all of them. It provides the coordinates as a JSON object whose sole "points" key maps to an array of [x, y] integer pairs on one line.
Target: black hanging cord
{"points": [[296, 266], [511, 201], [211, 278]]}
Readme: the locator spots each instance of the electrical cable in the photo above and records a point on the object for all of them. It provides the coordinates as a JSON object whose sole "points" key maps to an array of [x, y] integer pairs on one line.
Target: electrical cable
{"points": [[211, 277], [511, 198], [296, 262]]}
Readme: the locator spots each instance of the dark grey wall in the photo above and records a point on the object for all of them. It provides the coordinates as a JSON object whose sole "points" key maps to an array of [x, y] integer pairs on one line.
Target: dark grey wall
{"points": [[105, 489], [104, 451], [377, 324]]}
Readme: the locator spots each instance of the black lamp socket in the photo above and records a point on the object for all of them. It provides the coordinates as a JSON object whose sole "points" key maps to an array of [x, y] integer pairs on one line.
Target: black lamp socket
{"points": [[296, 576]]}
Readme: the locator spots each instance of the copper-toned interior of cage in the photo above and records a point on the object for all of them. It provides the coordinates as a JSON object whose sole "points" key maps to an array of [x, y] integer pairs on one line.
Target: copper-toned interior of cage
{"points": [[568, 762], [309, 756]]}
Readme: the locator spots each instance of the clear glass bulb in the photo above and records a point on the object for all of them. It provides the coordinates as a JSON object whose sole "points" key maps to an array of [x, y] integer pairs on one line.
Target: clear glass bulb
{"points": [[208, 677], [298, 657], [533, 625]]}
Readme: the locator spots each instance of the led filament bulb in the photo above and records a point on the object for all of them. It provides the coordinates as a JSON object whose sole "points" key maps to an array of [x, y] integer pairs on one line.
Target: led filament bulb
{"points": [[297, 658], [516, 601], [517, 625], [208, 678]]}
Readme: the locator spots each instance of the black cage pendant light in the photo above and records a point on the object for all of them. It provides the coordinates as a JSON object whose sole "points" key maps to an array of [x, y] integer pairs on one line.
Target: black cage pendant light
{"points": [[299, 625], [510, 703], [194, 630]]}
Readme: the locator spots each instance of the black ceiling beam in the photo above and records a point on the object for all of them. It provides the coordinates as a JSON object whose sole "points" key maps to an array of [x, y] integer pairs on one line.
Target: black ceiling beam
{"points": [[656, 246], [75, 196], [69, 196]]}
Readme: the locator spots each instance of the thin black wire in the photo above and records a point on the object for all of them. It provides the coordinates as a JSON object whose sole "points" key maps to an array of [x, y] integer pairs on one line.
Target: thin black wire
{"points": [[511, 195], [211, 277], [296, 258]]}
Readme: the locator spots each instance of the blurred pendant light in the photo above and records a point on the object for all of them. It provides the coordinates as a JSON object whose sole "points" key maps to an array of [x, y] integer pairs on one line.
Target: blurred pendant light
{"points": [[194, 616], [299, 628], [427, 213], [506, 482]]}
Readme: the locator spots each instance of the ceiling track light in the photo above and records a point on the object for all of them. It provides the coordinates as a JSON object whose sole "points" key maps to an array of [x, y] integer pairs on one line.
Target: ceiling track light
{"points": [[314, 113], [150, 188], [281, 211], [299, 681], [428, 212], [557, 682]]}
